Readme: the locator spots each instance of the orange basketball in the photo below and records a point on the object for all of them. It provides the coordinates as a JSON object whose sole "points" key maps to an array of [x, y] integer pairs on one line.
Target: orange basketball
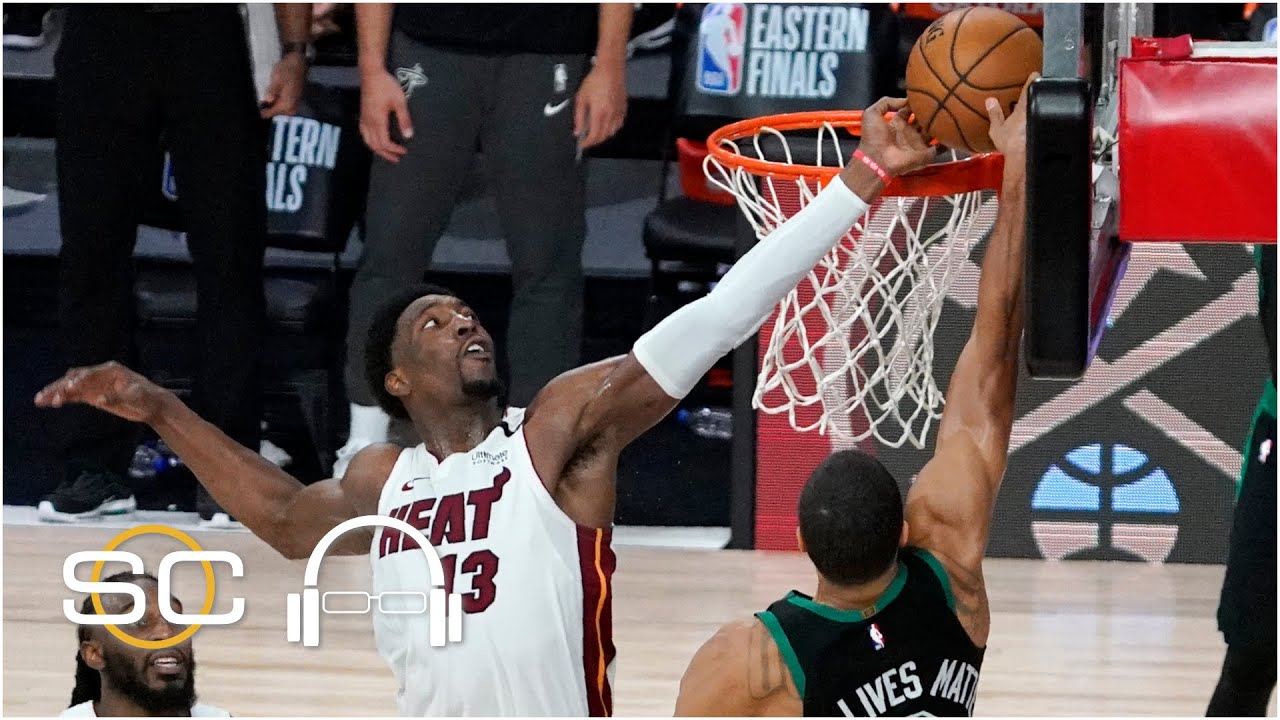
{"points": [[963, 58]]}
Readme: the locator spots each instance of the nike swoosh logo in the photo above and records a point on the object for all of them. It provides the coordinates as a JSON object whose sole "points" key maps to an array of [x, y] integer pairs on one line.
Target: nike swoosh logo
{"points": [[548, 110], [409, 485]]}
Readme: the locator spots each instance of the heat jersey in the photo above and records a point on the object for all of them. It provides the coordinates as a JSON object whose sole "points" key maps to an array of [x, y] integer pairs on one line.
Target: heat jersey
{"points": [[908, 656], [536, 595]]}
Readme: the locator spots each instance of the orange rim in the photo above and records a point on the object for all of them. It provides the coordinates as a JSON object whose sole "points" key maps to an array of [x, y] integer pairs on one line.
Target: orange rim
{"points": [[978, 172]]}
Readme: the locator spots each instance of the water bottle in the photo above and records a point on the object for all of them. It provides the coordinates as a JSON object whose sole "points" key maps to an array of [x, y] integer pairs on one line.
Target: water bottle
{"points": [[151, 459], [147, 462], [712, 423], [171, 459]]}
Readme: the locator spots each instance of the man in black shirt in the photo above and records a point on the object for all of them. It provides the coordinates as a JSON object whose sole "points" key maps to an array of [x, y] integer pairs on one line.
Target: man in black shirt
{"points": [[518, 82], [899, 623], [128, 76]]}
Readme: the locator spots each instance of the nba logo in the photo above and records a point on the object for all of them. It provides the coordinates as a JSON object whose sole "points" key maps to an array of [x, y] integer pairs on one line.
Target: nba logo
{"points": [[1269, 31], [722, 36], [877, 637]]}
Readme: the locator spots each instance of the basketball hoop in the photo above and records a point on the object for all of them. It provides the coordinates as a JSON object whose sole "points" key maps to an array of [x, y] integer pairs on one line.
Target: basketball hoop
{"points": [[850, 350]]}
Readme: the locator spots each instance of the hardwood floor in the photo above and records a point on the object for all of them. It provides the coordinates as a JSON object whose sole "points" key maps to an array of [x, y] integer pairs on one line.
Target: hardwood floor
{"points": [[1067, 639]]}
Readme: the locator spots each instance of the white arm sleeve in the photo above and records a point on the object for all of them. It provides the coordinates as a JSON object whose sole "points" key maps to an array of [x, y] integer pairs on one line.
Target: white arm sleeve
{"points": [[683, 347]]}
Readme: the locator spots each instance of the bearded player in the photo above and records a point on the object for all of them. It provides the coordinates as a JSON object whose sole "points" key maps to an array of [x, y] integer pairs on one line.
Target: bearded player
{"points": [[899, 622], [518, 502], [116, 679]]}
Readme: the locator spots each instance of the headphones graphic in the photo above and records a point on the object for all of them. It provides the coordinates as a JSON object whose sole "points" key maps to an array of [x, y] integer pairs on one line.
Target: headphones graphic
{"points": [[303, 610]]}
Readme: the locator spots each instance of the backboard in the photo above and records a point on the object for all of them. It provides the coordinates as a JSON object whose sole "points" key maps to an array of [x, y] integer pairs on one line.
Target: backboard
{"points": [[1074, 258], [1132, 138]]}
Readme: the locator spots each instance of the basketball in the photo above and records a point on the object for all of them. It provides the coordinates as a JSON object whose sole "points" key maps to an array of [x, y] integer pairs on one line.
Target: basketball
{"points": [[963, 58]]}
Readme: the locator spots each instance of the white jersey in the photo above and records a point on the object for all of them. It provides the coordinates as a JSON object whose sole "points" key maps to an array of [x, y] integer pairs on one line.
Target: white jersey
{"points": [[536, 590]]}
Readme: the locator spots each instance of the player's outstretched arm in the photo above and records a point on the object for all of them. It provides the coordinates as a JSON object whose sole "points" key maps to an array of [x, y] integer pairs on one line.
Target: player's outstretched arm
{"points": [[287, 515], [949, 506], [609, 404]]}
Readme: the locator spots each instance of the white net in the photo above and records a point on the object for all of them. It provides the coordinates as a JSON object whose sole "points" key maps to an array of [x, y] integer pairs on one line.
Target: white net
{"points": [[849, 352]]}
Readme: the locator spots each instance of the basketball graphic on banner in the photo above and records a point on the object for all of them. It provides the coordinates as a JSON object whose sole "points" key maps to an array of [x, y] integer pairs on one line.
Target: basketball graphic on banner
{"points": [[1105, 502]]}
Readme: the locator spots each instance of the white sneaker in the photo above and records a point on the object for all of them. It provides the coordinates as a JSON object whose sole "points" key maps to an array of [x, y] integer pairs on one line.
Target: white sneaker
{"points": [[274, 453], [348, 451], [219, 521]]}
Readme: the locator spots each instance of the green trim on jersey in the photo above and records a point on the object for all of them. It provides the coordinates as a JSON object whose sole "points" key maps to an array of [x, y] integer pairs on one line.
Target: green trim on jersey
{"points": [[784, 647], [1265, 412], [940, 571], [1267, 404], [853, 616]]}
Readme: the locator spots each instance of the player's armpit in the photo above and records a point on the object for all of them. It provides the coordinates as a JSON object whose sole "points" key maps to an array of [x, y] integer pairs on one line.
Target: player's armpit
{"points": [[604, 405], [739, 673], [964, 577], [949, 513], [950, 504]]}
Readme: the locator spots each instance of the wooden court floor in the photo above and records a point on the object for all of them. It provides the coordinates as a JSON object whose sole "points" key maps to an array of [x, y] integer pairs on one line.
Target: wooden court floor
{"points": [[1067, 638]]}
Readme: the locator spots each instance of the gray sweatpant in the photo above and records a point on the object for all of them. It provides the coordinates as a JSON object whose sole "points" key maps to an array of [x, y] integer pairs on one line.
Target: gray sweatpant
{"points": [[519, 110]]}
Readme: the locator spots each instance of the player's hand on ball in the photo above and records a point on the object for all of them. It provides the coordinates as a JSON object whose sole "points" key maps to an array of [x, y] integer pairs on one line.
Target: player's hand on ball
{"points": [[896, 145], [1009, 134], [110, 387]]}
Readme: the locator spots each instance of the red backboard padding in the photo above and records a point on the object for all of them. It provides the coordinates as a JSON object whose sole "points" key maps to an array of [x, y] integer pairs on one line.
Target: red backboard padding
{"points": [[1197, 145]]}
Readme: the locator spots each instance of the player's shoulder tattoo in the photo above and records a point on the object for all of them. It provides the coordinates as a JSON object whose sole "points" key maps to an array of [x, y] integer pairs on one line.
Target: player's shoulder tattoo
{"points": [[969, 589], [767, 673]]}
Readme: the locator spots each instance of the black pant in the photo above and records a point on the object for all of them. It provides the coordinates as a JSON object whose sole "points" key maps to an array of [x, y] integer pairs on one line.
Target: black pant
{"points": [[519, 110], [125, 79], [1247, 608]]}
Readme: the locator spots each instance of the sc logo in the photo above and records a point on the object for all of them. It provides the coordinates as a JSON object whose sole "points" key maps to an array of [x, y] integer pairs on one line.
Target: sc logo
{"points": [[96, 587], [303, 610]]}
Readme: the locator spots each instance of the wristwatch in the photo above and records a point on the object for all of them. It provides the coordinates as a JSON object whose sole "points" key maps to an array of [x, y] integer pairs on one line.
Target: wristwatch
{"points": [[307, 50]]}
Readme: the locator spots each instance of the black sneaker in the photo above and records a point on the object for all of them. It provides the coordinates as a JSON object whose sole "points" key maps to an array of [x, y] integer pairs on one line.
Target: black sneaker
{"points": [[91, 494], [25, 25]]}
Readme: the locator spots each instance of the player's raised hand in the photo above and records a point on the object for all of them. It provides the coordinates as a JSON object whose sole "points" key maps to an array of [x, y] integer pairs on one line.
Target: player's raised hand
{"points": [[1009, 134], [110, 387], [896, 145]]}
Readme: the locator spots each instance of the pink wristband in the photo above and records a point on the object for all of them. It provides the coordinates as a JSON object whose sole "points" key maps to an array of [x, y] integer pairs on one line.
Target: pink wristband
{"points": [[875, 166]]}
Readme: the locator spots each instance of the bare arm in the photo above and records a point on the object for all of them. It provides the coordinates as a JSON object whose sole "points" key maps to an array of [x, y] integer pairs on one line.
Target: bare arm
{"points": [[739, 672], [949, 507], [601, 101], [289, 76], [614, 31], [287, 515], [373, 36], [381, 97], [294, 21]]}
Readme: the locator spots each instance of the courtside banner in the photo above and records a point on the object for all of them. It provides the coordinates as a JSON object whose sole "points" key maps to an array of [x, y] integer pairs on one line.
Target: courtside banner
{"points": [[749, 59], [317, 173], [317, 169]]}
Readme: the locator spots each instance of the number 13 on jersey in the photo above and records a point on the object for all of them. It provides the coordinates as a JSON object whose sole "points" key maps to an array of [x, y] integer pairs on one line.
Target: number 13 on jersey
{"points": [[445, 522]]}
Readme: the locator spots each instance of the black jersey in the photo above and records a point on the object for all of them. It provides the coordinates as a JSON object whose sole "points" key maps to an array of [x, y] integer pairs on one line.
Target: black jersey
{"points": [[908, 656], [502, 28]]}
